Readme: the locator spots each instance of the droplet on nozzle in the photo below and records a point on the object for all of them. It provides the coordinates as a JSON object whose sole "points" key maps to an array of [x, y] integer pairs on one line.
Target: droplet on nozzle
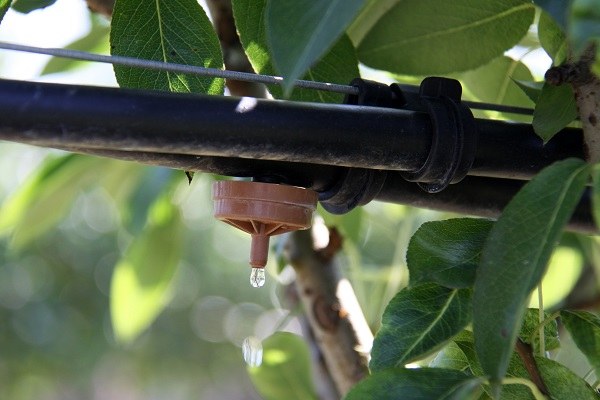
{"points": [[257, 277]]}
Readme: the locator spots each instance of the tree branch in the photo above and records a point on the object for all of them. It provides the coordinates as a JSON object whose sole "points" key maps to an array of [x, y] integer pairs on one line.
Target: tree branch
{"points": [[104, 7], [586, 87], [332, 310], [525, 351]]}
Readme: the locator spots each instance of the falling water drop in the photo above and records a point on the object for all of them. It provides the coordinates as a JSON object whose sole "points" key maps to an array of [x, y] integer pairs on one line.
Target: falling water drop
{"points": [[253, 351], [257, 277]]}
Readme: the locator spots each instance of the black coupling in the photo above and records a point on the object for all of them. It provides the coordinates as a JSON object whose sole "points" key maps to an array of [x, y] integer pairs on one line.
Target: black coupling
{"points": [[454, 136]]}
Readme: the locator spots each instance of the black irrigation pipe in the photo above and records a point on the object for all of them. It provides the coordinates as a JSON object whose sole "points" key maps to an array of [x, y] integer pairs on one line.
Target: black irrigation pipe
{"points": [[305, 144]]}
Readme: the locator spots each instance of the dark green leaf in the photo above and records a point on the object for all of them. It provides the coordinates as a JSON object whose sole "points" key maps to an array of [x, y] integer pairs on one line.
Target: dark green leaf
{"points": [[95, 41], [339, 65], [169, 31], [562, 382], [4, 6], [584, 25], [531, 89], [493, 82], [410, 384], [27, 6], [515, 256], [554, 110], [141, 282], [584, 327], [315, 26], [436, 36], [285, 369], [557, 9], [552, 38], [530, 331], [418, 321], [447, 252], [45, 199], [596, 194]]}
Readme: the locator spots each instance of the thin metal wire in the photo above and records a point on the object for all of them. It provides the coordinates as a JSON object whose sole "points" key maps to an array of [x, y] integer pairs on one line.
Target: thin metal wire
{"points": [[219, 73], [180, 68]]}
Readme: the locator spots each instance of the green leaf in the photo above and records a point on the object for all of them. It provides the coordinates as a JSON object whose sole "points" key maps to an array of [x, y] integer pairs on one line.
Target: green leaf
{"points": [[4, 6], [366, 19], [562, 382], [530, 331], [451, 357], [584, 327], [339, 65], [410, 384], [584, 24], [96, 41], [141, 282], [532, 89], [493, 82], [515, 256], [552, 38], [557, 9], [41, 203], [437, 37], [315, 25], [418, 321], [596, 194], [169, 31], [27, 6], [285, 369], [554, 110], [447, 252]]}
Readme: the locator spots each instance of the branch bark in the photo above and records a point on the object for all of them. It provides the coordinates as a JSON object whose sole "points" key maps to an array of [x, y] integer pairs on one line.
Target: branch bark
{"points": [[525, 351], [586, 87], [332, 310]]}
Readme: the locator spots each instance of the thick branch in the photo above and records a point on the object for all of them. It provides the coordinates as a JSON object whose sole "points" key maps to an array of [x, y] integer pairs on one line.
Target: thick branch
{"points": [[233, 53], [586, 87], [331, 307], [526, 353]]}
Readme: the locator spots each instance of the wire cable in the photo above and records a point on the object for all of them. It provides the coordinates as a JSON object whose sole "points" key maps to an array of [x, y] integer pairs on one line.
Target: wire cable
{"points": [[219, 73], [179, 68]]}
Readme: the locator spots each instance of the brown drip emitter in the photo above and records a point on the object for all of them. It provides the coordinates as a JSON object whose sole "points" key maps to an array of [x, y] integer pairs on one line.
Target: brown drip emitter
{"points": [[263, 210]]}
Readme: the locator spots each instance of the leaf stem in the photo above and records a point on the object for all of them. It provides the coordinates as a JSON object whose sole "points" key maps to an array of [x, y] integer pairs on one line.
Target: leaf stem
{"points": [[542, 324], [526, 382], [541, 320]]}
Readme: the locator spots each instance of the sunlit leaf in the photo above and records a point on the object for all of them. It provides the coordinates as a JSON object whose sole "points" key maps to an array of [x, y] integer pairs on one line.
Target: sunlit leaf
{"points": [[420, 37], [96, 41], [493, 82], [175, 31], [338, 65], [584, 327], [418, 321], [447, 252], [315, 26], [451, 357], [412, 384], [4, 6], [515, 257], [27, 6], [368, 16], [554, 110], [45, 199], [141, 282], [285, 369]]}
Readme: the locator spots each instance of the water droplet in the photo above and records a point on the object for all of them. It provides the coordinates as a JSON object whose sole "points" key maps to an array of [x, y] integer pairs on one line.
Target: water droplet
{"points": [[257, 277], [253, 351]]}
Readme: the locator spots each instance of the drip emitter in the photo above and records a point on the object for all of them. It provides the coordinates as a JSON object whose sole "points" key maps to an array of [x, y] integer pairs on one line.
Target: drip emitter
{"points": [[263, 210]]}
